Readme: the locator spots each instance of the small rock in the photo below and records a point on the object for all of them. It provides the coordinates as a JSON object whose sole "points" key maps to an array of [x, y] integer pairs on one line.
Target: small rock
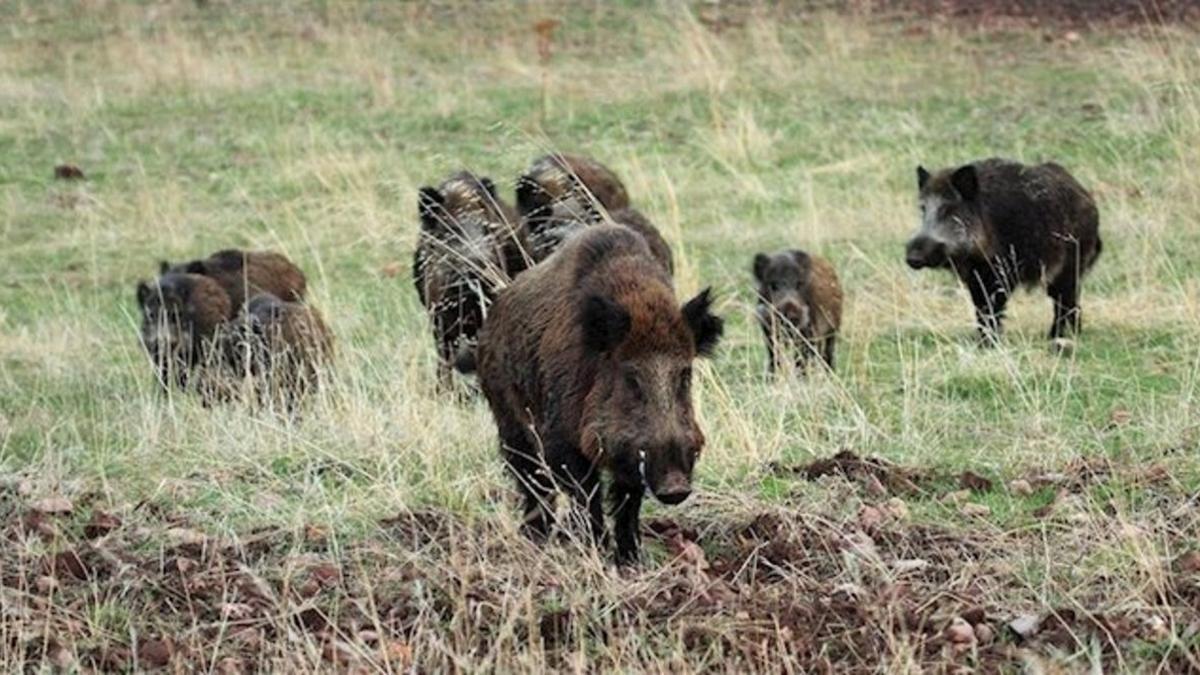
{"points": [[1119, 418], [182, 536], [956, 497], [53, 506], [984, 633], [960, 632], [906, 566], [1020, 487], [1024, 626], [972, 510], [897, 508], [1188, 563], [870, 518]]}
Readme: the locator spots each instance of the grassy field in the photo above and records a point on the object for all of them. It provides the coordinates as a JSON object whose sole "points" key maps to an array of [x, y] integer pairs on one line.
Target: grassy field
{"points": [[378, 532]]}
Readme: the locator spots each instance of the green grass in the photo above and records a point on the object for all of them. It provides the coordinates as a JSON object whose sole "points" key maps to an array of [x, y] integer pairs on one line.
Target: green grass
{"points": [[309, 130]]}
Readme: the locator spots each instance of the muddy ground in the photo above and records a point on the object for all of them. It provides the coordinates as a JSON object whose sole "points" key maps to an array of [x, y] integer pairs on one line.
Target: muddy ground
{"points": [[142, 588]]}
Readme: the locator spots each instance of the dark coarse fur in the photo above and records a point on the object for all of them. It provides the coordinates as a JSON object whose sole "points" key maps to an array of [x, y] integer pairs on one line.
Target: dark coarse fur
{"points": [[799, 307], [560, 195], [636, 221], [182, 315], [461, 260], [999, 224], [586, 363], [281, 347], [244, 274]]}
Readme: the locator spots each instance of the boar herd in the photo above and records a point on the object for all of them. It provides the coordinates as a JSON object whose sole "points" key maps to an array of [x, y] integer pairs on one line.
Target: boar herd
{"points": [[564, 308]]}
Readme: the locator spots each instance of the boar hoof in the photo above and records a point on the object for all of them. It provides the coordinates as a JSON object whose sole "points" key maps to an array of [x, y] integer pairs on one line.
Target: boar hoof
{"points": [[1062, 346]]}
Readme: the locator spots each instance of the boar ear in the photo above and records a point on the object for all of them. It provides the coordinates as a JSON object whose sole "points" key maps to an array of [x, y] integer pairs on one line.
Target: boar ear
{"points": [[605, 323], [803, 261], [143, 293], [922, 177], [195, 267], [163, 267], [760, 265], [705, 326], [488, 185], [966, 182], [530, 196], [429, 204]]}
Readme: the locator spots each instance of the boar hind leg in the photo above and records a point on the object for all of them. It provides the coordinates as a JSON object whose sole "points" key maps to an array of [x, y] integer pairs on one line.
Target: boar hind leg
{"points": [[627, 504], [1064, 292], [989, 294]]}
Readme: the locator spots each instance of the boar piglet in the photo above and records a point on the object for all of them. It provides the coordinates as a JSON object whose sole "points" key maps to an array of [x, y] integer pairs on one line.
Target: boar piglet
{"points": [[799, 307], [182, 315], [586, 362]]}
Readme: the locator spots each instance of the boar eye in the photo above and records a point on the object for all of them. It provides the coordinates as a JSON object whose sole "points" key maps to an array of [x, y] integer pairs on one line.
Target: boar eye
{"points": [[944, 212], [685, 382], [632, 384]]}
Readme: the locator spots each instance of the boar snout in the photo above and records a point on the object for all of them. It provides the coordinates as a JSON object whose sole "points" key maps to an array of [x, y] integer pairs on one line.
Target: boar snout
{"points": [[924, 252], [675, 487]]}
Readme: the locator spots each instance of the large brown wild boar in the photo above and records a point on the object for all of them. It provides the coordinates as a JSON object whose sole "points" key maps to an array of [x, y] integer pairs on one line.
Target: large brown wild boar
{"points": [[182, 315], [245, 273], [586, 362], [280, 347], [461, 260], [799, 307], [999, 224]]}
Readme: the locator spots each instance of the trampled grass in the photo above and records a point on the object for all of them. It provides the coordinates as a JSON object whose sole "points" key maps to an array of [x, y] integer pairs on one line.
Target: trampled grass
{"points": [[309, 129]]}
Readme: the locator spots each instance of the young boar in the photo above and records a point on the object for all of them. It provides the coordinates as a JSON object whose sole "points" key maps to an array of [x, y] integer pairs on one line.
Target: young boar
{"points": [[560, 195], [799, 307], [181, 317], [281, 347], [460, 262], [245, 273], [586, 362], [999, 224]]}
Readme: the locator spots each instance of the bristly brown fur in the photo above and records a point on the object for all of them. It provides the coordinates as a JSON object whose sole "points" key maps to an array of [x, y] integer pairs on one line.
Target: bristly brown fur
{"points": [[244, 274]]}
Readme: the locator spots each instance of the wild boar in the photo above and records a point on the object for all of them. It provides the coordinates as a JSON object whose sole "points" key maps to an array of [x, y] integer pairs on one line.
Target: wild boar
{"points": [[559, 195], [999, 224], [799, 307], [460, 262], [280, 347], [182, 315], [586, 363]]}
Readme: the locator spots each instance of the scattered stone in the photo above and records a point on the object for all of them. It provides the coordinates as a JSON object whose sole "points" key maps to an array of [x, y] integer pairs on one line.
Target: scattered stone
{"points": [[897, 508], [53, 506], [1020, 487], [1024, 626], [972, 510], [960, 632]]}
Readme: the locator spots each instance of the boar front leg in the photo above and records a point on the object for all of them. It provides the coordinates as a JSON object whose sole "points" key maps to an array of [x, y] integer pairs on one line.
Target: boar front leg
{"points": [[989, 293], [627, 505]]}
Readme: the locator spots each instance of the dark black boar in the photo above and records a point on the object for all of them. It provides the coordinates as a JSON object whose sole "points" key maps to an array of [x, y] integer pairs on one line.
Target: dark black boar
{"points": [[280, 347], [999, 224], [244, 274], [182, 315], [461, 260], [586, 362], [799, 307], [560, 195]]}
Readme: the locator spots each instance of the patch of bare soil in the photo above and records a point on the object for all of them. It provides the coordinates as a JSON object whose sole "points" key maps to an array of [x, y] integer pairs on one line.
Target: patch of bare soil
{"points": [[84, 587]]}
